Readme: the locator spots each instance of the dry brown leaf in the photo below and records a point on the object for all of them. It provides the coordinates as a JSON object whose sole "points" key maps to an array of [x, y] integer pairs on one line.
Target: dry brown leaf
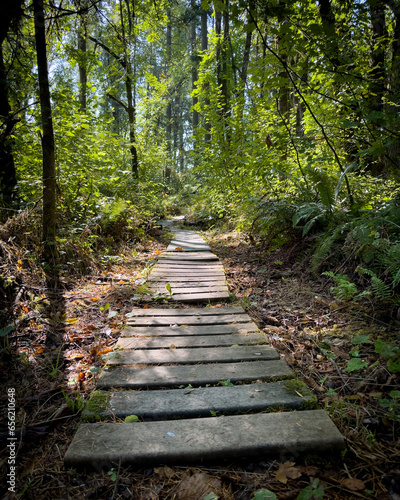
{"points": [[353, 484], [287, 471], [196, 487], [172, 346], [164, 472]]}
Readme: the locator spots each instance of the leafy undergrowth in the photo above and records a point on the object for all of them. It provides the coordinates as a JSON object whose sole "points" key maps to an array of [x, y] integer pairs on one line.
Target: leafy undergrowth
{"points": [[312, 332], [347, 352]]}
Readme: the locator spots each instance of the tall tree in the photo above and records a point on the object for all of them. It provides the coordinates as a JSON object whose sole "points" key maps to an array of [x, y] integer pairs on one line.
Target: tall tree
{"points": [[12, 12], [49, 171]]}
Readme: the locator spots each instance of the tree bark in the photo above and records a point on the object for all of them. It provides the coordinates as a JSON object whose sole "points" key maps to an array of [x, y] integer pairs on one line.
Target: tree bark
{"points": [[11, 13], [193, 40], [82, 34], [169, 106], [49, 173], [204, 47], [8, 174]]}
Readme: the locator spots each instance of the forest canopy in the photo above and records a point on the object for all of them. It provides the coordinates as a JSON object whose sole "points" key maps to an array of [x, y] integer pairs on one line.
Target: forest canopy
{"points": [[281, 117]]}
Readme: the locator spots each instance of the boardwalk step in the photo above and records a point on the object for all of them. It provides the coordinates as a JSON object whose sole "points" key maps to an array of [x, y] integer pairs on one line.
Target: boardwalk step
{"points": [[193, 311], [199, 440], [176, 331], [187, 356], [218, 319], [144, 342], [139, 377], [197, 402]]}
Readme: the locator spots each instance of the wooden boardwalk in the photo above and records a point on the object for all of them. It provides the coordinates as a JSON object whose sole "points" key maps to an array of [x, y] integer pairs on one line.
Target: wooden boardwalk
{"points": [[203, 383], [192, 271]]}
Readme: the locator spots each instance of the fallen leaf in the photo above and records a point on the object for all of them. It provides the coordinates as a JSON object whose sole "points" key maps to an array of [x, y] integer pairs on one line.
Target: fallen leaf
{"points": [[164, 472], [179, 249], [353, 484], [287, 471], [146, 306], [94, 299], [172, 346], [196, 487], [71, 321]]}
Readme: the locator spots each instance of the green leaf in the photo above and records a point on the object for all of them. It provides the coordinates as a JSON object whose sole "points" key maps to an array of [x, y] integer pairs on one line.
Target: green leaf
{"points": [[5, 331], [264, 495], [355, 364], [393, 366], [360, 339], [385, 349], [211, 496], [131, 418], [313, 492], [394, 394]]}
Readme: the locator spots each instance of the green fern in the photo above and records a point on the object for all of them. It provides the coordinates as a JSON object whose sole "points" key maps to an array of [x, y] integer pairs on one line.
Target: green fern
{"points": [[381, 290], [323, 184]]}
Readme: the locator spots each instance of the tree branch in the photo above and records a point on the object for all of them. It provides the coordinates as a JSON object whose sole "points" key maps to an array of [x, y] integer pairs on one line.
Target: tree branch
{"points": [[117, 101], [121, 60]]}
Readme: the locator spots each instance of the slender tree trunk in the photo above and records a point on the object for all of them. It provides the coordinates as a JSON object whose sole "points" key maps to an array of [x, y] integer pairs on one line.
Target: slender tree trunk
{"points": [[82, 34], [393, 151], [49, 173], [8, 174], [129, 91], [169, 106], [204, 47], [225, 58], [193, 40]]}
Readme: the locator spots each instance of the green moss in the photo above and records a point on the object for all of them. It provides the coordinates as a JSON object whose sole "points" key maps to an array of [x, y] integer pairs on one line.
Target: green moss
{"points": [[97, 405], [296, 386], [311, 403]]}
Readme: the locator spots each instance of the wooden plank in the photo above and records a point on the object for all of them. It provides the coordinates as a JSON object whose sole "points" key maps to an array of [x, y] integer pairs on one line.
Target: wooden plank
{"points": [[198, 341], [190, 356], [177, 331], [200, 440], [188, 266], [175, 375], [185, 284], [183, 263], [200, 297], [176, 289], [188, 274], [183, 279], [193, 311], [198, 402], [189, 256], [217, 319]]}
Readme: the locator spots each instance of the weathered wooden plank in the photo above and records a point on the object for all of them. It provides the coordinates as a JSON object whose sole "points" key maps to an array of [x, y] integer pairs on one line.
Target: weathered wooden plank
{"points": [[198, 402], [183, 279], [176, 289], [199, 440], [217, 319], [192, 311], [200, 297], [201, 374], [198, 341], [187, 267], [187, 274], [177, 331], [188, 256], [198, 264], [190, 356], [185, 284]]}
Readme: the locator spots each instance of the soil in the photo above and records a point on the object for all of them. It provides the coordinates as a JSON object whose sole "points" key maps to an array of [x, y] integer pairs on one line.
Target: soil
{"points": [[64, 332]]}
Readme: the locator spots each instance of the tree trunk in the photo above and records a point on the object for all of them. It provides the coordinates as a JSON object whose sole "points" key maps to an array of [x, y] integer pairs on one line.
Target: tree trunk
{"points": [[11, 14], [8, 175], [193, 40], [49, 173], [392, 159], [169, 106], [204, 47], [82, 34]]}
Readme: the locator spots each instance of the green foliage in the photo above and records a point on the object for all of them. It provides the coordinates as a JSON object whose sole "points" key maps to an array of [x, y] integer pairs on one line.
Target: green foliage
{"points": [[345, 290]]}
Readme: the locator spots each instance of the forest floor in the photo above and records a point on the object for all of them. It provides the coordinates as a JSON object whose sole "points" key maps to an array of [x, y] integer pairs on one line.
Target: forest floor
{"points": [[311, 331]]}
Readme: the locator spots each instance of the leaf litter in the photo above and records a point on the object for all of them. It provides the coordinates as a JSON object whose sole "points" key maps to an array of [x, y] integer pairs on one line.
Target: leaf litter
{"points": [[296, 314]]}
